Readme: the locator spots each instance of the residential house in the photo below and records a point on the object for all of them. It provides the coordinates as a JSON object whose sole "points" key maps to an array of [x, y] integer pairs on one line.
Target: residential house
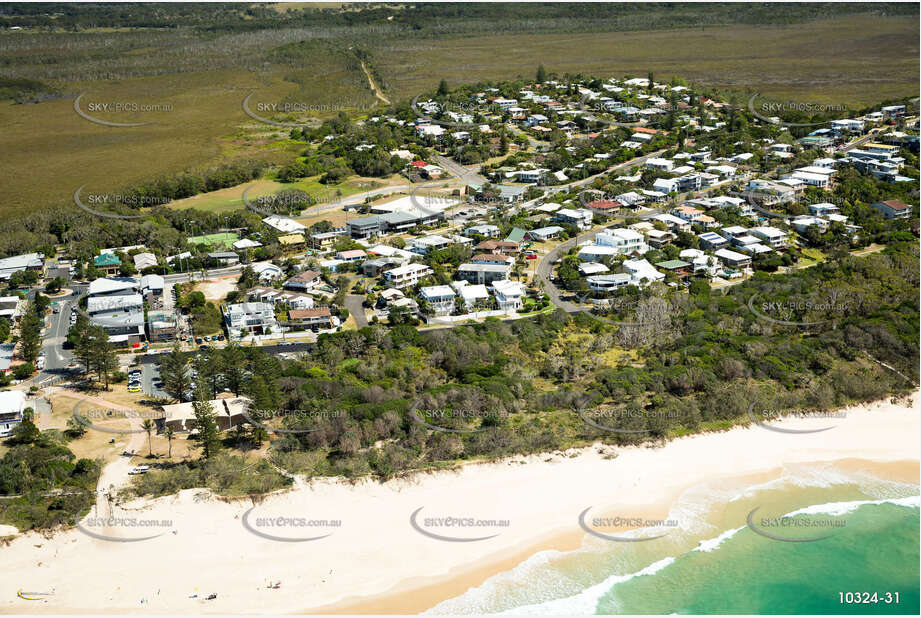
{"points": [[641, 272], [493, 258], [473, 295], [144, 260], [440, 299], [292, 243], [254, 318], [303, 281], [483, 273], [893, 209], [314, 319], [407, 275], [224, 258], [579, 217], [287, 298], [12, 405], [673, 223], [773, 237], [489, 231], [505, 247], [509, 294], [679, 268], [658, 238], [266, 271], [732, 258], [625, 241], [666, 185], [545, 233], [604, 207], [607, 283], [352, 255], [712, 240]]}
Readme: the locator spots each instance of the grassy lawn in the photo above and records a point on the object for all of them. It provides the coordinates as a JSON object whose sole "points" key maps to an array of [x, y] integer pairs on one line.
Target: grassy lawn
{"points": [[231, 198]]}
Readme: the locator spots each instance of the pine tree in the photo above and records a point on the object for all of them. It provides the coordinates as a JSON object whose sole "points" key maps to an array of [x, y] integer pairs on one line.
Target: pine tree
{"points": [[102, 355], [443, 89], [541, 74], [175, 374], [206, 423]]}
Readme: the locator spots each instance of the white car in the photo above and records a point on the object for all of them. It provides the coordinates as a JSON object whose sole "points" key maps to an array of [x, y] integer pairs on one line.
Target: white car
{"points": [[139, 470]]}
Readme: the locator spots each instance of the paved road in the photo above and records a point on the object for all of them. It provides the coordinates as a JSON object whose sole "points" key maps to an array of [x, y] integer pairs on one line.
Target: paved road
{"points": [[56, 357], [468, 175], [546, 263], [353, 303]]}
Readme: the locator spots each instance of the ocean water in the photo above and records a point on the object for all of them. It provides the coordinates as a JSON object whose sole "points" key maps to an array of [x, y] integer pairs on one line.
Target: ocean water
{"points": [[834, 533]]}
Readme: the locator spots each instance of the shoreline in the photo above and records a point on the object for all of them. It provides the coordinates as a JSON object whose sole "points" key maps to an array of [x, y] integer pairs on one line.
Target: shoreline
{"points": [[376, 562], [420, 594]]}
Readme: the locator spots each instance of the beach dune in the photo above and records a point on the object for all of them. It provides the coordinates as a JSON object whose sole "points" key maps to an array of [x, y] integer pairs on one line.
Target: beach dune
{"points": [[403, 545]]}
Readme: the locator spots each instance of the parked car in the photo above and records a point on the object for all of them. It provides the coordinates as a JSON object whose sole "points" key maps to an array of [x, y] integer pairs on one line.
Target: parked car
{"points": [[139, 470]]}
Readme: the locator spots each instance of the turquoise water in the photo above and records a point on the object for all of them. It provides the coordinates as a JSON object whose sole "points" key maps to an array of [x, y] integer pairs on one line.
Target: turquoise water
{"points": [[876, 551], [716, 564]]}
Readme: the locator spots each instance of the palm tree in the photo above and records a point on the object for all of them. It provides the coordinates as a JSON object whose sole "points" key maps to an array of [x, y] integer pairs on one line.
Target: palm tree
{"points": [[148, 426], [169, 433]]}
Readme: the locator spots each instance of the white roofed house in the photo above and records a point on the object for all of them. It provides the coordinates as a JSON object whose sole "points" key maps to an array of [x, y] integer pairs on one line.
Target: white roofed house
{"points": [[407, 275], [545, 233], [673, 223], [580, 217], [489, 231], [607, 283], [509, 294], [592, 268], [733, 258], [700, 261], [480, 273], [804, 222], [666, 185], [822, 209], [439, 298], [266, 271], [473, 295], [144, 260], [773, 237], [12, 404], [663, 165], [626, 241], [631, 199], [254, 318], [723, 171], [285, 225], [813, 179], [642, 272]]}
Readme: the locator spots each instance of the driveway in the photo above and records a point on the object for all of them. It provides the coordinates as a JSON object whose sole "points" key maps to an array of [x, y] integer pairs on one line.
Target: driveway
{"points": [[353, 303]]}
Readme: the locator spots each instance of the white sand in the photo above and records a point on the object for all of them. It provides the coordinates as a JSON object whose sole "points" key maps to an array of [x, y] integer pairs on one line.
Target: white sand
{"points": [[376, 548]]}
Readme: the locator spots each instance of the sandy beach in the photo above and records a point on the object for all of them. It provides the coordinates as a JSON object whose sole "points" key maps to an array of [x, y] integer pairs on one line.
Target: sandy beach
{"points": [[383, 555]]}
